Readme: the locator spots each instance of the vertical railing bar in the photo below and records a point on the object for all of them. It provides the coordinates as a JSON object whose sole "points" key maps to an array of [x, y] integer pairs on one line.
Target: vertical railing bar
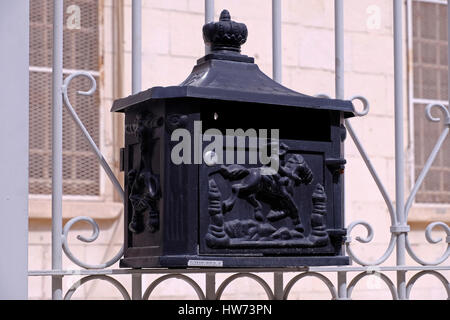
{"points": [[14, 146], [277, 76], [342, 285], [339, 87], [411, 102], [136, 286], [57, 131], [136, 45], [339, 47], [448, 46], [210, 286], [399, 150], [276, 41], [278, 285], [136, 79], [209, 17]]}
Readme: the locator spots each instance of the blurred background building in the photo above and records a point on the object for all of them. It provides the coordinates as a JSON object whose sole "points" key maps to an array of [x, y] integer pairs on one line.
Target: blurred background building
{"points": [[97, 39]]}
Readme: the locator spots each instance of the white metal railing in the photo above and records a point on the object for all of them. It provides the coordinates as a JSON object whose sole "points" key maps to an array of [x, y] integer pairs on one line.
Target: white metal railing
{"points": [[342, 290]]}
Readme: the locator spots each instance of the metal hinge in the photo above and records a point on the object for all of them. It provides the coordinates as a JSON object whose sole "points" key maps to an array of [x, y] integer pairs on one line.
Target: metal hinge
{"points": [[336, 165], [122, 157]]}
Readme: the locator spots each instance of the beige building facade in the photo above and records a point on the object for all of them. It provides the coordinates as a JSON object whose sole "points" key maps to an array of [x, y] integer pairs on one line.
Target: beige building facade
{"points": [[172, 42]]}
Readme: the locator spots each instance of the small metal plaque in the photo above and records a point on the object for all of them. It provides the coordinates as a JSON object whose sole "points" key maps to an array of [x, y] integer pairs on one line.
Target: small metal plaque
{"points": [[205, 263]]}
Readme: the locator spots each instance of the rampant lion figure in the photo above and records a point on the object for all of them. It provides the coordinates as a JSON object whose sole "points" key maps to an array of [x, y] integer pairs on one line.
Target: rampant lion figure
{"points": [[145, 187]]}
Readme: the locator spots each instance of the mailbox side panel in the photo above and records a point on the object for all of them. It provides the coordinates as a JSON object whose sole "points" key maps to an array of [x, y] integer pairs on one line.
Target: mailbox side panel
{"points": [[143, 203], [180, 179]]}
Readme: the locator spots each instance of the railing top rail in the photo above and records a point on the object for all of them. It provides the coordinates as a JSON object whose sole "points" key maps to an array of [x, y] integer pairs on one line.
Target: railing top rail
{"points": [[369, 269]]}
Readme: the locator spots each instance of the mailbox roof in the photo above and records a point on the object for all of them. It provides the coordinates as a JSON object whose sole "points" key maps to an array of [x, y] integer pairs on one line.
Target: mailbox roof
{"points": [[226, 78]]}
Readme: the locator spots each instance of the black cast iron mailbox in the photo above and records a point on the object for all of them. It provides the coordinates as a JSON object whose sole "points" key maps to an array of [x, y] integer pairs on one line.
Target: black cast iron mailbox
{"points": [[195, 197]]}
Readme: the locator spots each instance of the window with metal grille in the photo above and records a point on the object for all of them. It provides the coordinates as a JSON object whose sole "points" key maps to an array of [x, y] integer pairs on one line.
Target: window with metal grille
{"points": [[428, 38], [81, 175]]}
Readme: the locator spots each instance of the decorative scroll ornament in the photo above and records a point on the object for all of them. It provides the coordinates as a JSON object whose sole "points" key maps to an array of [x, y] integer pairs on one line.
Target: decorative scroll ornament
{"points": [[381, 187], [446, 120], [409, 202], [105, 166], [92, 238], [431, 240], [444, 110], [83, 129]]}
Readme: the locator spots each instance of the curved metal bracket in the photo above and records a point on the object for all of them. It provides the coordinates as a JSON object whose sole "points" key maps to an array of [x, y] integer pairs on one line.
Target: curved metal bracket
{"points": [[103, 163]]}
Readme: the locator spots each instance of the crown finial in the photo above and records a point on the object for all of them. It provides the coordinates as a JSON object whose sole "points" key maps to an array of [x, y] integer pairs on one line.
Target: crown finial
{"points": [[226, 34], [225, 15]]}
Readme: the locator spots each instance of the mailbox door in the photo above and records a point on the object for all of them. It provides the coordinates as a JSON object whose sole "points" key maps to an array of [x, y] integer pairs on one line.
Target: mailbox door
{"points": [[246, 212]]}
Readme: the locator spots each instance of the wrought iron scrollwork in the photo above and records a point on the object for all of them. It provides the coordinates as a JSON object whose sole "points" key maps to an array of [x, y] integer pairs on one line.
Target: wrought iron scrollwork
{"points": [[444, 110], [92, 238], [258, 279], [183, 277], [84, 280], [381, 187], [395, 228], [434, 273], [368, 239], [105, 166], [431, 240], [321, 277], [382, 277], [446, 120]]}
